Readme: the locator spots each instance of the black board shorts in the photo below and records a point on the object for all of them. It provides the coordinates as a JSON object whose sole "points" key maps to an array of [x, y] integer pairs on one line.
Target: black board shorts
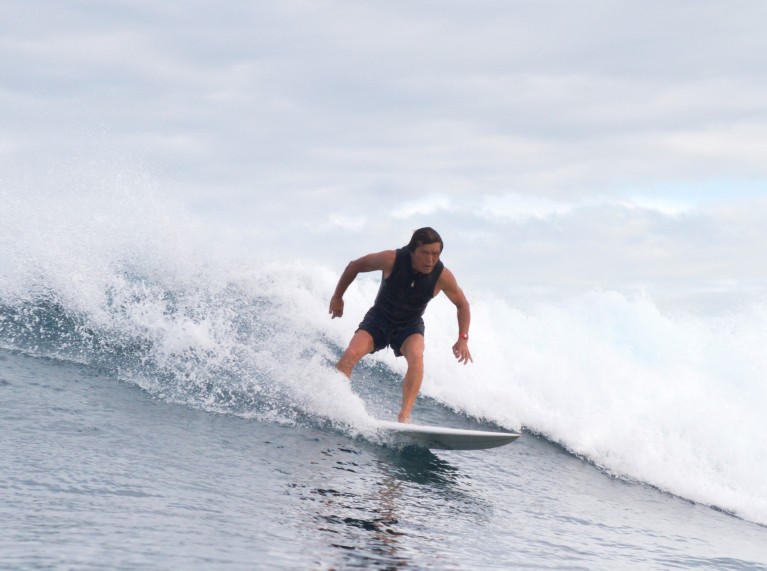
{"points": [[387, 334]]}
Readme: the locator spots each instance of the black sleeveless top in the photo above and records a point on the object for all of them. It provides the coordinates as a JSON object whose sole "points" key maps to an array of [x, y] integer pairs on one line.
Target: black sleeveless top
{"points": [[403, 296]]}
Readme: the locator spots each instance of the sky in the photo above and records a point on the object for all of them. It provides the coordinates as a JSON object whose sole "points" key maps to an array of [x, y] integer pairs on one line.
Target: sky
{"points": [[583, 143]]}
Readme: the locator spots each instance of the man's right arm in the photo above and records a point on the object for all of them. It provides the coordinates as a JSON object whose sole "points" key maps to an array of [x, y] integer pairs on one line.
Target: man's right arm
{"points": [[383, 261]]}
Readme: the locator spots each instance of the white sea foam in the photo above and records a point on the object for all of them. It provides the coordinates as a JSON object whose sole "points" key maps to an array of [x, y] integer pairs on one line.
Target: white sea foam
{"points": [[668, 398], [671, 398], [107, 272]]}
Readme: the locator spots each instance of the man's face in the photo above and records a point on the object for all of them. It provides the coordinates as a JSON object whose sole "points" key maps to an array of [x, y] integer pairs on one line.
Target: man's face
{"points": [[425, 257]]}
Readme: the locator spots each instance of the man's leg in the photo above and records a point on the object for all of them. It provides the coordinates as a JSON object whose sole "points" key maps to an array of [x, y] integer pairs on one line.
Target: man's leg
{"points": [[412, 350], [360, 345]]}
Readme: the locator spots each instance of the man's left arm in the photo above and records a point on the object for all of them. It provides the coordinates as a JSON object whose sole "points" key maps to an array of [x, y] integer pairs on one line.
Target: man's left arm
{"points": [[455, 294]]}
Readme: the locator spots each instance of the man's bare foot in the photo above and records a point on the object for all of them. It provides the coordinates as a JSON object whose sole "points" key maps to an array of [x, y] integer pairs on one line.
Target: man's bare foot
{"points": [[404, 418]]}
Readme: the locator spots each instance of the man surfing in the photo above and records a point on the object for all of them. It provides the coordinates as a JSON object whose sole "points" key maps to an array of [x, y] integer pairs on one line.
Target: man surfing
{"points": [[411, 277]]}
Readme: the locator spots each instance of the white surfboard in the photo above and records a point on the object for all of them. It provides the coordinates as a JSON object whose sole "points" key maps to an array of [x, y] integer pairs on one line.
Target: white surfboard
{"points": [[440, 438]]}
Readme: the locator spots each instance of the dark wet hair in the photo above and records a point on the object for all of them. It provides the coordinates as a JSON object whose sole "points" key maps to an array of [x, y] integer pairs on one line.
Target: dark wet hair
{"points": [[425, 236]]}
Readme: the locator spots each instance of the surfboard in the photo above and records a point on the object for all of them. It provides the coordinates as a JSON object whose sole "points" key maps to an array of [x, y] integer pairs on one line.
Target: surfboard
{"points": [[441, 438]]}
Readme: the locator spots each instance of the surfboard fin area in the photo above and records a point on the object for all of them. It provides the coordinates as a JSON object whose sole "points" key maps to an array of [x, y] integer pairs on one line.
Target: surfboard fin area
{"points": [[442, 438]]}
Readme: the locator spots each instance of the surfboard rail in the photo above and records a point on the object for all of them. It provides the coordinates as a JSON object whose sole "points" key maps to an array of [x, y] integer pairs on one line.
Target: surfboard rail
{"points": [[445, 438]]}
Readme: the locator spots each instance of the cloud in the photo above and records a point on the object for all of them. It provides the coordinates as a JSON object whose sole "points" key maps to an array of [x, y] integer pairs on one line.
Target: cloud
{"points": [[425, 206], [594, 137], [519, 207]]}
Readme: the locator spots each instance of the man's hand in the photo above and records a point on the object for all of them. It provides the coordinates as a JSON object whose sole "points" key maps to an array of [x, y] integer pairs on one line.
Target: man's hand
{"points": [[336, 307], [461, 351]]}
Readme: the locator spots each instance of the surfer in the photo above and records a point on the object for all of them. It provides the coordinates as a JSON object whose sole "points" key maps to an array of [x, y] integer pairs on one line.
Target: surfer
{"points": [[411, 277]]}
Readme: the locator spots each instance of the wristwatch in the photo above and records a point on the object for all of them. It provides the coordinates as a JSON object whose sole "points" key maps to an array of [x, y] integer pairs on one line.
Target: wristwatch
{"points": [[464, 336]]}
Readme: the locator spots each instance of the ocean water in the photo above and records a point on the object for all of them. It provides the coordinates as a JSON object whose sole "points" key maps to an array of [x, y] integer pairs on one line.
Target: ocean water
{"points": [[165, 405]]}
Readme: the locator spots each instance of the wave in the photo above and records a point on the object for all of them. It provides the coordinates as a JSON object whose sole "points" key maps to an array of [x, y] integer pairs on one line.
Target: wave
{"points": [[666, 397], [118, 279]]}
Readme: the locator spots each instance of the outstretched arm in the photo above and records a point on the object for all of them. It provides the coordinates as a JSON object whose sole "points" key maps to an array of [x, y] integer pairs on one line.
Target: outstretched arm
{"points": [[383, 261], [455, 294]]}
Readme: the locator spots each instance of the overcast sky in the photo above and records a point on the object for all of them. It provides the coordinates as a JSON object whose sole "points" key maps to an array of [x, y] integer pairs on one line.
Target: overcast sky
{"points": [[593, 143]]}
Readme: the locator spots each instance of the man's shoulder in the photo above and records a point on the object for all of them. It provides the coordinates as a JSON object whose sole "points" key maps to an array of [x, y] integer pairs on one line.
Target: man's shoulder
{"points": [[389, 255], [383, 260], [446, 276]]}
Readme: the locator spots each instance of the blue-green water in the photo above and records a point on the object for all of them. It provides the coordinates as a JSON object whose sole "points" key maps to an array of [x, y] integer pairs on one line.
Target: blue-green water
{"points": [[96, 473]]}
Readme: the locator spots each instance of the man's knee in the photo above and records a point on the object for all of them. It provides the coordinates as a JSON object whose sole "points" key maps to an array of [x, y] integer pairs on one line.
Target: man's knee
{"points": [[360, 345], [353, 354], [412, 349]]}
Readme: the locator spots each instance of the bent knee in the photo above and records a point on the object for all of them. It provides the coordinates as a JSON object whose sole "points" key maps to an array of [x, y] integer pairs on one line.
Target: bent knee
{"points": [[360, 345], [354, 355], [413, 352]]}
